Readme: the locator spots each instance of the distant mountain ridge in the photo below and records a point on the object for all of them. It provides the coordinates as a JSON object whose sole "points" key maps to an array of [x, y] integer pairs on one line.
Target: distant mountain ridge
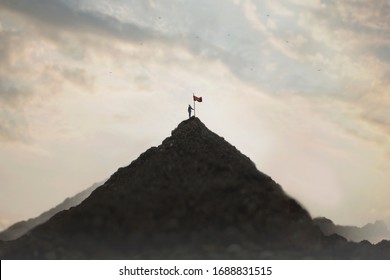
{"points": [[20, 228], [372, 232]]}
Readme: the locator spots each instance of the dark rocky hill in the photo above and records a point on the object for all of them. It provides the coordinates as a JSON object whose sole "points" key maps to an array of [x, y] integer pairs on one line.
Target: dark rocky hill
{"points": [[20, 228], [372, 232], [193, 197]]}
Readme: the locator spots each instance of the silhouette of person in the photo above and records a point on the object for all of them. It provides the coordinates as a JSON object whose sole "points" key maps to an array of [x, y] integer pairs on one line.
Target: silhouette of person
{"points": [[189, 111]]}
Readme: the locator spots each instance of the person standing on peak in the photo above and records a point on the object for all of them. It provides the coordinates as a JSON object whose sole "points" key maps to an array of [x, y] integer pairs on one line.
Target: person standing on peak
{"points": [[189, 111]]}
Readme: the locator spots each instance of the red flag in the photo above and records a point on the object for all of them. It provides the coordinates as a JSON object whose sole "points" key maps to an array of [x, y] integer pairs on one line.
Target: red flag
{"points": [[199, 99]]}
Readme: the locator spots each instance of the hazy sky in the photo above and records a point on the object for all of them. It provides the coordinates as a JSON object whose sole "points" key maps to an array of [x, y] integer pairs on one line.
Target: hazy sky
{"points": [[302, 87]]}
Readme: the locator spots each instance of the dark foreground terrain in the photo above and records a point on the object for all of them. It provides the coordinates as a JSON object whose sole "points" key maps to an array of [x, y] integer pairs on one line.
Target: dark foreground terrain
{"points": [[193, 197]]}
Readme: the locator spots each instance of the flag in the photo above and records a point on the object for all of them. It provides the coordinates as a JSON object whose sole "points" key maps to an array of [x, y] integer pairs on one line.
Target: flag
{"points": [[199, 99]]}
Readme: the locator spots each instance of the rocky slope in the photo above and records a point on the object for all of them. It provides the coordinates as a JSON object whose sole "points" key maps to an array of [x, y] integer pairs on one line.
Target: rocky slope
{"points": [[20, 228], [193, 197]]}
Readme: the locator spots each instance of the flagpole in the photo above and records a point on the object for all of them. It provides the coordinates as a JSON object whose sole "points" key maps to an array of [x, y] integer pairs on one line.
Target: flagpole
{"points": [[194, 103]]}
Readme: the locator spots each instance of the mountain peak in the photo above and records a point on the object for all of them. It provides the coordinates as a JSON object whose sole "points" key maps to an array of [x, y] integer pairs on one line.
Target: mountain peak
{"points": [[191, 131], [193, 196], [192, 128], [189, 126]]}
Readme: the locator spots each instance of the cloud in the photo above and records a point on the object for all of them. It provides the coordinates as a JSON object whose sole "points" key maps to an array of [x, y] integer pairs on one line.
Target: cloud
{"points": [[349, 37], [315, 40], [10, 93], [13, 127], [311, 4], [250, 11], [76, 76], [84, 28], [53, 15], [278, 8], [373, 16], [381, 118]]}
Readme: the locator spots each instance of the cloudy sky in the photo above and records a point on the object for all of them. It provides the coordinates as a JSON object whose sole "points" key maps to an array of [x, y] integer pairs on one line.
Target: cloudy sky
{"points": [[302, 87]]}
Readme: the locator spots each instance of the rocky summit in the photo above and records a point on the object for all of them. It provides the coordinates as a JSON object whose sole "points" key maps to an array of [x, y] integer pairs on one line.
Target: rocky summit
{"points": [[193, 197]]}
